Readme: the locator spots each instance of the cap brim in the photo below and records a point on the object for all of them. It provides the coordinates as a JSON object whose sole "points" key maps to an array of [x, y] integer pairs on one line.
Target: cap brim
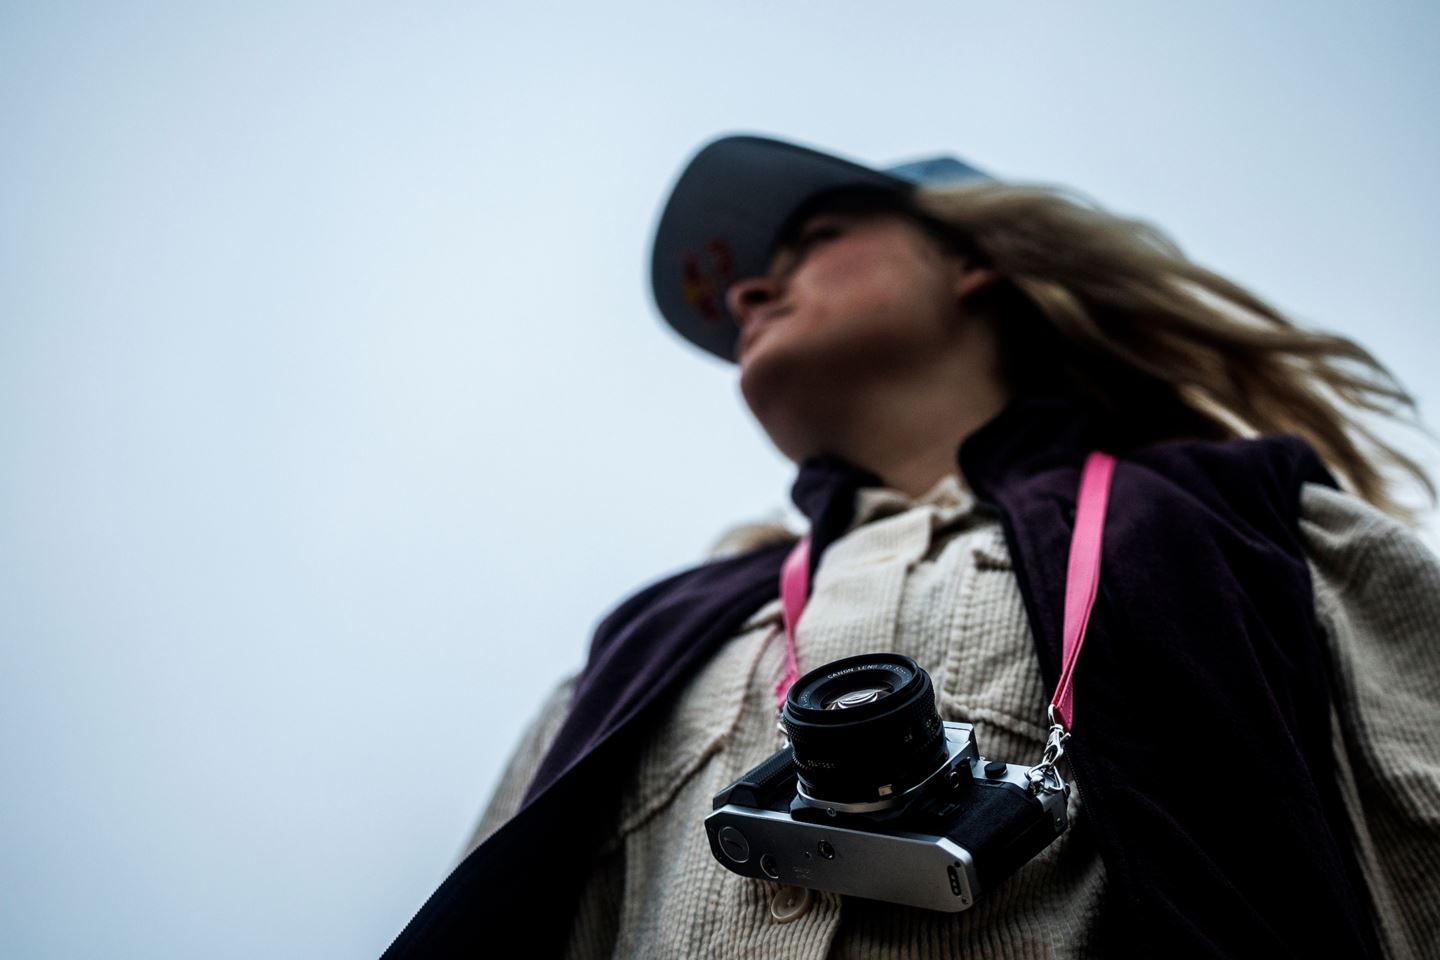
{"points": [[722, 221]]}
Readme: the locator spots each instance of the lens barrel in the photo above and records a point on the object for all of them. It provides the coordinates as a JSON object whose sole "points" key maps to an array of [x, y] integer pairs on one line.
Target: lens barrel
{"points": [[864, 728]]}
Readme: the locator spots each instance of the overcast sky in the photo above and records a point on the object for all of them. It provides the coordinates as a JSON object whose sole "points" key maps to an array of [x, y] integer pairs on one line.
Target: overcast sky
{"points": [[335, 412]]}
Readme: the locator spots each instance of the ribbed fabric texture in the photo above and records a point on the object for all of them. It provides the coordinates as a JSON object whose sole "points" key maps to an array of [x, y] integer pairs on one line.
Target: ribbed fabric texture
{"points": [[931, 578]]}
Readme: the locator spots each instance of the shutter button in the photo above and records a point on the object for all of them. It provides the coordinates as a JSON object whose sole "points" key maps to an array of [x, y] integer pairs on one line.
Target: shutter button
{"points": [[789, 903]]}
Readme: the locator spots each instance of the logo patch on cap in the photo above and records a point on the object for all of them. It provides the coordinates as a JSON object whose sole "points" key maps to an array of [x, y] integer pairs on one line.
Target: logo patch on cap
{"points": [[704, 289]]}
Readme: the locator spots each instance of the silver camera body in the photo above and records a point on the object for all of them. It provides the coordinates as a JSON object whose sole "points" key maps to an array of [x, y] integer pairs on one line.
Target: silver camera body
{"points": [[934, 840]]}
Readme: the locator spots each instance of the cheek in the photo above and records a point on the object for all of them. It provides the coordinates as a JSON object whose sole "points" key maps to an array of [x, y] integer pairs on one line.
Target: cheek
{"points": [[879, 306]]}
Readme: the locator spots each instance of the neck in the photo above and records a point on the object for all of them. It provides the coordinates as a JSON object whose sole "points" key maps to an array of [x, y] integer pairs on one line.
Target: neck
{"points": [[900, 419], [910, 440]]}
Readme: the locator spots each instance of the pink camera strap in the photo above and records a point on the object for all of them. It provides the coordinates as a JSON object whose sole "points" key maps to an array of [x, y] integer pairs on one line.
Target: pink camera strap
{"points": [[1082, 581]]}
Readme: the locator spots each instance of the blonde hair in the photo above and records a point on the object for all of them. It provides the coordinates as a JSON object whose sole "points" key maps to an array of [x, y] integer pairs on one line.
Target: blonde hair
{"points": [[1112, 310]]}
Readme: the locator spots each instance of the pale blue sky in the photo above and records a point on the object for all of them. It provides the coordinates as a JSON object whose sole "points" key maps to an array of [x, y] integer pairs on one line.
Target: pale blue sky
{"points": [[335, 413]]}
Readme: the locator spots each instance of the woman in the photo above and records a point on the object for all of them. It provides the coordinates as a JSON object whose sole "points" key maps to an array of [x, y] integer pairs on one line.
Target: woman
{"points": [[1253, 749]]}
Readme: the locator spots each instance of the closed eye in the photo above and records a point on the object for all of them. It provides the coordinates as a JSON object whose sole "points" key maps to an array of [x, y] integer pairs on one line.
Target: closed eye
{"points": [[816, 234]]}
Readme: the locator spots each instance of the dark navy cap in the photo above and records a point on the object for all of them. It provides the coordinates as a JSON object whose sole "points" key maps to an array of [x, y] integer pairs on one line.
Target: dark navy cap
{"points": [[724, 215]]}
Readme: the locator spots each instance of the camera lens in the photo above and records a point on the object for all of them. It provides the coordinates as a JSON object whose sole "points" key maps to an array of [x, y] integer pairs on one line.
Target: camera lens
{"points": [[864, 728]]}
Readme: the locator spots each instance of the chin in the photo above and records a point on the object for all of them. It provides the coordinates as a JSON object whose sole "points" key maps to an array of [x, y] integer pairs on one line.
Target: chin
{"points": [[764, 384], [764, 361], [787, 398]]}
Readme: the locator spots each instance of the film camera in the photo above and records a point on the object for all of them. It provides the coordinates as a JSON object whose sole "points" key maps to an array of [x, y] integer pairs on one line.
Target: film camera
{"points": [[874, 796]]}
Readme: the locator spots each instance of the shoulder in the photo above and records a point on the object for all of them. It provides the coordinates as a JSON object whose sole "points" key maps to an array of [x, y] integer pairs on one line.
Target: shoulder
{"points": [[1346, 536], [1331, 517], [1240, 490], [1265, 470], [750, 535], [520, 768]]}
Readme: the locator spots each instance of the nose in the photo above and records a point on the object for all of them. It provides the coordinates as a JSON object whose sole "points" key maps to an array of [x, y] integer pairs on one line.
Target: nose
{"points": [[744, 296]]}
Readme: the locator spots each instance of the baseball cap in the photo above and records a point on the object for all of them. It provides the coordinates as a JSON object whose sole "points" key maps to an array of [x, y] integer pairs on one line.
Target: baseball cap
{"points": [[725, 213]]}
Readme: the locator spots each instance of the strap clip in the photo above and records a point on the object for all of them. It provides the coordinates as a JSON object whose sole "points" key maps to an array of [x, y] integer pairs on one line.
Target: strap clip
{"points": [[1044, 775]]}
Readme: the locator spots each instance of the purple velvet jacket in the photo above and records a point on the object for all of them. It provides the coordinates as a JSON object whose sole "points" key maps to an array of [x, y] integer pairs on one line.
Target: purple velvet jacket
{"points": [[1201, 737]]}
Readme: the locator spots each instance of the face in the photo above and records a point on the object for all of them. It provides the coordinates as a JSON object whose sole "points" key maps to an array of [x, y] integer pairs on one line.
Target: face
{"points": [[865, 279], [862, 301]]}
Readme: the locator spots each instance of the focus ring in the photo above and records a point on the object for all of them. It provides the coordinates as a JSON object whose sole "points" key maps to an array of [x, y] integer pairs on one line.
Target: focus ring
{"points": [[890, 739]]}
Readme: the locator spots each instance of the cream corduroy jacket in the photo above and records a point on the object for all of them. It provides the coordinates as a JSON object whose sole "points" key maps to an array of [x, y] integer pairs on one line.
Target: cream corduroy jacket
{"points": [[931, 578]]}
